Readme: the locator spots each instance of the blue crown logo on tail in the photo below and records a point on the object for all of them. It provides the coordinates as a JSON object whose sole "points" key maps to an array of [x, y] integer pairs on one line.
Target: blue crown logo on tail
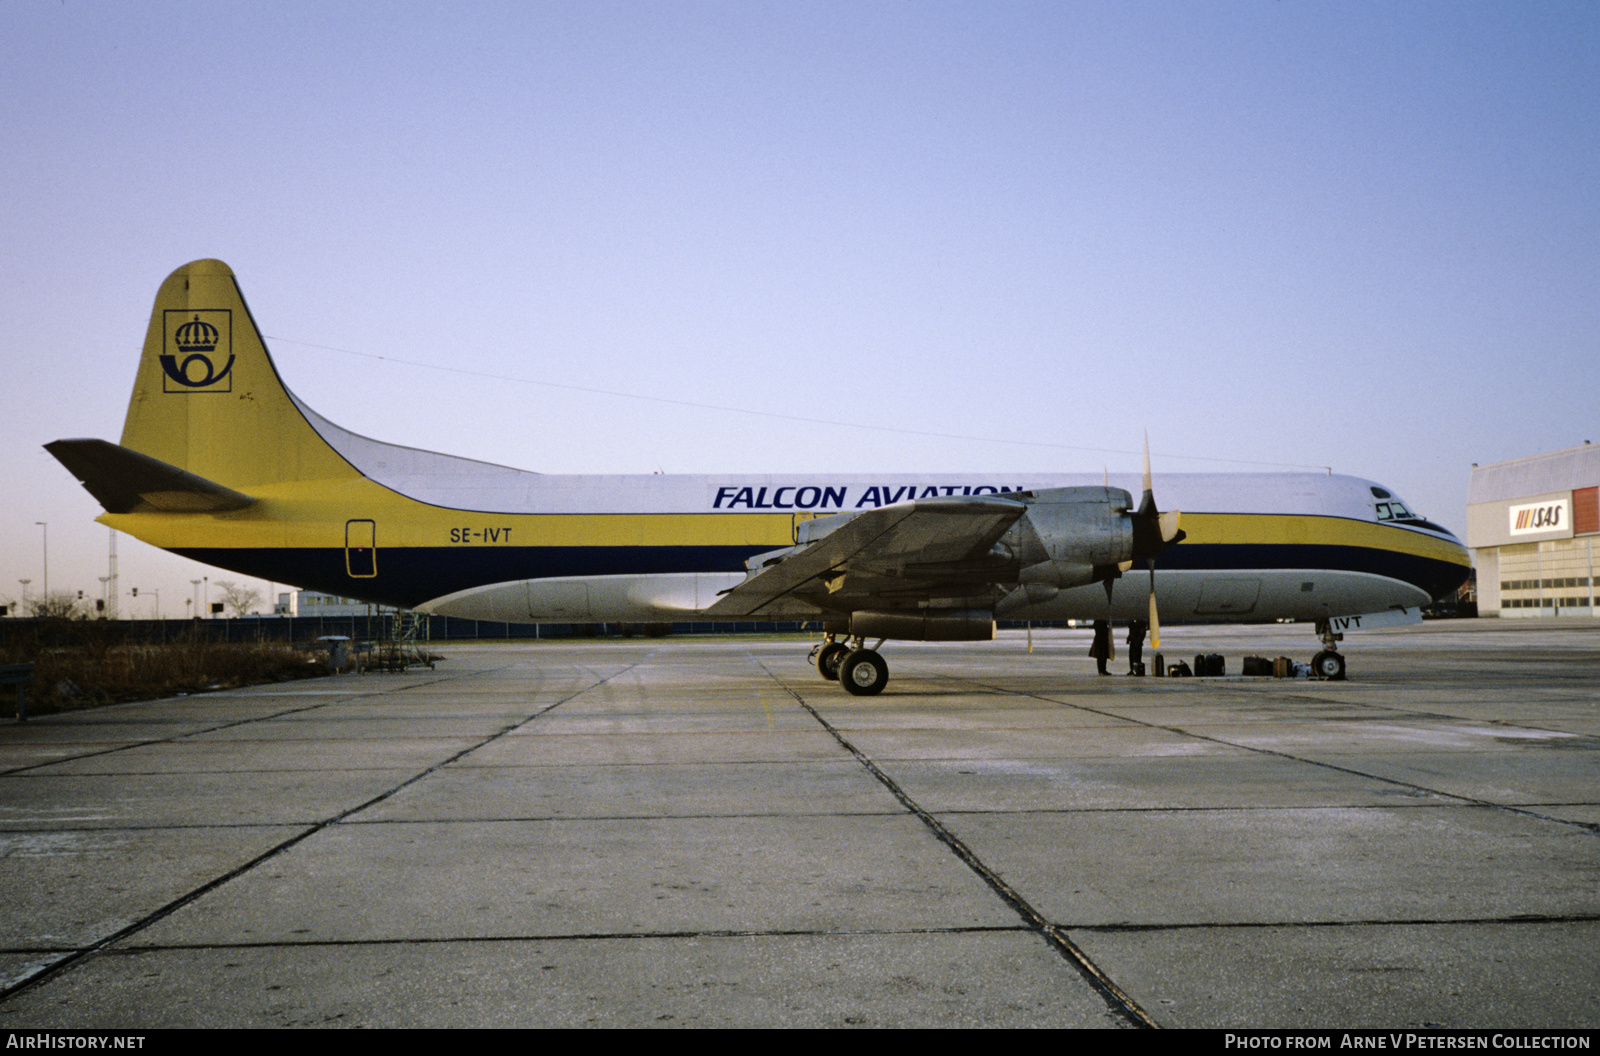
{"points": [[198, 336]]}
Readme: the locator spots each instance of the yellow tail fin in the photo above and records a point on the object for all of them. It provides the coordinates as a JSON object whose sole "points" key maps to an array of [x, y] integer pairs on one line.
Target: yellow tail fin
{"points": [[208, 399]]}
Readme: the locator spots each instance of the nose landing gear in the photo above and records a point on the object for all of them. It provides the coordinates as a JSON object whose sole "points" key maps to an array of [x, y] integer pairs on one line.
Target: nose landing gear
{"points": [[1329, 663]]}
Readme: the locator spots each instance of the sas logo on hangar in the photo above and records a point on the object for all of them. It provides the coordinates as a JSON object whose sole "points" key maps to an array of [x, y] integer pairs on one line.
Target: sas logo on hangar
{"points": [[1540, 517], [198, 351]]}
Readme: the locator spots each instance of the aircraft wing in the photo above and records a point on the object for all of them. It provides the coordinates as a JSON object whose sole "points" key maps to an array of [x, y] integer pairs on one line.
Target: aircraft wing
{"points": [[906, 550], [126, 481]]}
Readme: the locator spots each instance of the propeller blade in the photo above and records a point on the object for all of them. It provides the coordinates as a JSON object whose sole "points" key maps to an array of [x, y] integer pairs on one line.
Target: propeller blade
{"points": [[1170, 532], [1153, 530], [1149, 491]]}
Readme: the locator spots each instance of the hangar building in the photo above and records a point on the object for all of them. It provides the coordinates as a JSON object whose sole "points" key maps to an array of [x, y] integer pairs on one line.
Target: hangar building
{"points": [[1532, 524]]}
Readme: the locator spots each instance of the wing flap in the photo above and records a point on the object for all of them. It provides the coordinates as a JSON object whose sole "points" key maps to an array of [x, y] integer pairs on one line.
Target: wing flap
{"points": [[927, 536], [125, 481]]}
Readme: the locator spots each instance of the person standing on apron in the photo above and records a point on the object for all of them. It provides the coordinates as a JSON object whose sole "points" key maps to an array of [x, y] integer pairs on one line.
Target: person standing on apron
{"points": [[1136, 633], [1100, 648]]}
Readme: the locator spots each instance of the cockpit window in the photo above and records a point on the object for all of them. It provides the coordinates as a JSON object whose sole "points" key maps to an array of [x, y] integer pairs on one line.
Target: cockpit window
{"points": [[1392, 510], [1378, 493]]}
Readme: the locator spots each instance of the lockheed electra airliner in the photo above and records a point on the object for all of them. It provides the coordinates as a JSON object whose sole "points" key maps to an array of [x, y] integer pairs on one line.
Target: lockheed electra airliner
{"points": [[221, 463]]}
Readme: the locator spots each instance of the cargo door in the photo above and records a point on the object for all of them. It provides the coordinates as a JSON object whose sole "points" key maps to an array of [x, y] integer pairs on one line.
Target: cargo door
{"points": [[1228, 597]]}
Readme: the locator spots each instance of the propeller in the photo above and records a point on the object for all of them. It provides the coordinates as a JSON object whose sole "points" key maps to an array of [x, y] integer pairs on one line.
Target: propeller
{"points": [[1153, 532]]}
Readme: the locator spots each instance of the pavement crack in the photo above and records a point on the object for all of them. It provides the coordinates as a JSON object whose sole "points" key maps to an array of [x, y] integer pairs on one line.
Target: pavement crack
{"points": [[77, 955], [1408, 786], [1117, 1000]]}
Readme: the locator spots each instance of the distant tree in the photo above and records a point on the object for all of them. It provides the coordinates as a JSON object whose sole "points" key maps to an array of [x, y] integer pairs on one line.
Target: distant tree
{"points": [[60, 605], [237, 598]]}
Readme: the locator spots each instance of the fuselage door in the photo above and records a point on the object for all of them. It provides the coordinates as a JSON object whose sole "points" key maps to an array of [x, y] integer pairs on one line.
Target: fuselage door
{"points": [[1227, 597], [361, 549]]}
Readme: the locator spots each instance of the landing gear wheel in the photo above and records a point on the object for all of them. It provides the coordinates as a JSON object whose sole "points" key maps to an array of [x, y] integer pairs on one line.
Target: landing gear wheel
{"points": [[1329, 665], [863, 673], [828, 659]]}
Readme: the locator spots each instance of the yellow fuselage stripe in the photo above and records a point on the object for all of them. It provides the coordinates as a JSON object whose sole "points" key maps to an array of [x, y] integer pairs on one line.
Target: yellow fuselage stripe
{"points": [[313, 514]]}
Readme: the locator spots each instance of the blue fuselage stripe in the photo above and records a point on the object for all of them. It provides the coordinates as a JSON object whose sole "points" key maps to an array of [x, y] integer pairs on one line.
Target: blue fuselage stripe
{"points": [[409, 576]]}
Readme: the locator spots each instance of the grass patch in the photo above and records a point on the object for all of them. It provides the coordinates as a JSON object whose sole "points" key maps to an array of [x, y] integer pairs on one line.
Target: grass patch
{"points": [[84, 664]]}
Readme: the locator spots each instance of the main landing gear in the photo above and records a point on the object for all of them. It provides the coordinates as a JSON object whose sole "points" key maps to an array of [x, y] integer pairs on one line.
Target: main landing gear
{"points": [[1329, 663], [861, 671], [864, 673]]}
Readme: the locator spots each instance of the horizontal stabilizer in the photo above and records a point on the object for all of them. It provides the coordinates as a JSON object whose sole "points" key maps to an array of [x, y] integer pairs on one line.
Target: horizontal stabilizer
{"points": [[125, 481]]}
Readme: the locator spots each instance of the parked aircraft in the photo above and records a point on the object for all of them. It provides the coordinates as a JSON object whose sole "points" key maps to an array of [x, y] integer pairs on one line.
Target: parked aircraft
{"points": [[221, 463]]}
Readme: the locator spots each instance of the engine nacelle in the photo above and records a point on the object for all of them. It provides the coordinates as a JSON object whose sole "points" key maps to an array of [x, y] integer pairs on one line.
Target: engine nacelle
{"points": [[965, 625], [1058, 574], [1069, 535]]}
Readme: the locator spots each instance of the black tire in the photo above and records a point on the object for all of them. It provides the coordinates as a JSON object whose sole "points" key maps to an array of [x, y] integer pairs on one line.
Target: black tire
{"points": [[863, 673], [1328, 665], [828, 659]]}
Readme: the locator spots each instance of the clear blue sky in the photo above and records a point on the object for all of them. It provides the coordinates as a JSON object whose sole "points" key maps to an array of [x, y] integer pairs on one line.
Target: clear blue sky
{"points": [[1358, 235]]}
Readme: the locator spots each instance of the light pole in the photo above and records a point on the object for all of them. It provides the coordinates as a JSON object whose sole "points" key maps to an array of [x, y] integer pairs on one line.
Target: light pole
{"points": [[25, 583], [196, 584], [107, 609], [46, 526], [111, 591]]}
